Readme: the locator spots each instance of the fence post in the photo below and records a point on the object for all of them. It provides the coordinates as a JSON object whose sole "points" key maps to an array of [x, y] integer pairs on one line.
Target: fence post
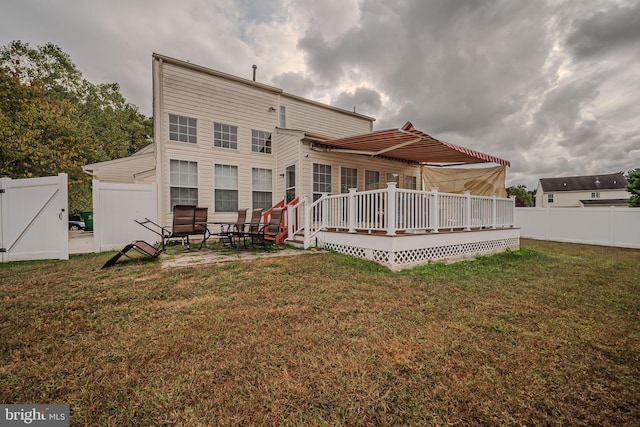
{"points": [[494, 211], [467, 211], [435, 210], [390, 211], [352, 210]]}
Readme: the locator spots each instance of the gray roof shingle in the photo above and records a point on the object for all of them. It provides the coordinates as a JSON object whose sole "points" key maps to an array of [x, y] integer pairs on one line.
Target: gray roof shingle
{"points": [[614, 181]]}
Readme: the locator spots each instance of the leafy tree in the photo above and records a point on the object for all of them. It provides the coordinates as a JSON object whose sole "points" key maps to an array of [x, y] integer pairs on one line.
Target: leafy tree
{"points": [[634, 187], [53, 120], [523, 197]]}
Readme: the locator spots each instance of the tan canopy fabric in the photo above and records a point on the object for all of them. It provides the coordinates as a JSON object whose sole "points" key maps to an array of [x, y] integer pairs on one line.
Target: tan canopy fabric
{"points": [[480, 181]]}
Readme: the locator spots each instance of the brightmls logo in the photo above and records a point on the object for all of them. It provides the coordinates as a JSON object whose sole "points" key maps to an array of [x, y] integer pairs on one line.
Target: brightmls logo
{"points": [[37, 415]]}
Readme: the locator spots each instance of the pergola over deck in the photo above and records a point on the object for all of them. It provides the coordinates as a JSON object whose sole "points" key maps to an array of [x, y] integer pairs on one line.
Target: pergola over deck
{"points": [[410, 145]]}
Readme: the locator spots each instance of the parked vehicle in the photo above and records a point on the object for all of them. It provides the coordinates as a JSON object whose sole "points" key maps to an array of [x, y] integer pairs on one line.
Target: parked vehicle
{"points": [[76, 225]]}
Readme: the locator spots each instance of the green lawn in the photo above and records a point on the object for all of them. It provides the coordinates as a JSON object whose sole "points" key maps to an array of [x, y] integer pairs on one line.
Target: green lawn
{"points": [[546, 335]]}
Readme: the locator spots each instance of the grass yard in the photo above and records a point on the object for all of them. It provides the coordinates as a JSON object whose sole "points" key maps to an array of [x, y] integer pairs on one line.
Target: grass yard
{"points": [[548, 335]]}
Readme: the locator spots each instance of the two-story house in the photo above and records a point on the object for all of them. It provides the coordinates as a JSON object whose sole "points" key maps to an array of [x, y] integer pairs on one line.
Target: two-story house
{"points": [[226, 143], [583, 191]]}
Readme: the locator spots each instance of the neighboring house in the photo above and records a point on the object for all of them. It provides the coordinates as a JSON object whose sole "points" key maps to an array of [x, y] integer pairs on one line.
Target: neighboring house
{"points": [[135, 169], [583, 191]]}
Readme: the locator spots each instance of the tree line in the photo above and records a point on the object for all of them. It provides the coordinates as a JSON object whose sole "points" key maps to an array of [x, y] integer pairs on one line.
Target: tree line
{"points": [[53, 120]]}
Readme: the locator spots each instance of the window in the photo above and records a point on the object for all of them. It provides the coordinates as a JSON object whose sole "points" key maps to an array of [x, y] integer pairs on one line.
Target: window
{"points": [[321, 180], [595, 195], [225, 136], [348, 179], [550, 198], [283, 116], [393, 177], [183, 129], [261, 183], [410, 182], [371, 180], [226, 188], [260, 141], [183, 182]]}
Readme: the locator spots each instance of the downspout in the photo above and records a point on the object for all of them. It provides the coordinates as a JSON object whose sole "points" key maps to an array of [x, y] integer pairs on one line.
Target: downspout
{"points": [[158, 80]]}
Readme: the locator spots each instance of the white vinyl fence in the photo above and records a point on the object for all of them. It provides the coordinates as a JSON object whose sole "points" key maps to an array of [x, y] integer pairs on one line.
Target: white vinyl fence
{"points": [[596, 226], [115, 207], [34, 218]]}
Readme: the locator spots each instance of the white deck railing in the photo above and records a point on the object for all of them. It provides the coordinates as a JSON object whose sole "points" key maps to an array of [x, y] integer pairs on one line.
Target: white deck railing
{"points": [[392, 210]]}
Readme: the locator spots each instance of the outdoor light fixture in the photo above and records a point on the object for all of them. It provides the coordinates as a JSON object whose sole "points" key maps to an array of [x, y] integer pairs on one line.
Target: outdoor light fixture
{"points": [[272, 109]]}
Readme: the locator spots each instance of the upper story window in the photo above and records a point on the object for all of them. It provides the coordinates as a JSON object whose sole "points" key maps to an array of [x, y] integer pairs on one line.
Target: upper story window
{"points": [[595, 195], [550, 198], [183, 129], [371, 180], [283, 116], [410, 182], [225, 136], [260, 141]]}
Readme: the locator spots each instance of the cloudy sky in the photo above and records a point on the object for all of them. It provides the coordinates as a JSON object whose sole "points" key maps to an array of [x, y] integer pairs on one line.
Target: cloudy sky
{"points": [[553, 86]]}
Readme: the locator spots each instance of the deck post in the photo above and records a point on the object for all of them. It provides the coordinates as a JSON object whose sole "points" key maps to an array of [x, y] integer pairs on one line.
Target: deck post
{"points": [[435, 210], [390, 211], [467, 211], [352, 210], [325, 210], [494, 211], [307, 223]]}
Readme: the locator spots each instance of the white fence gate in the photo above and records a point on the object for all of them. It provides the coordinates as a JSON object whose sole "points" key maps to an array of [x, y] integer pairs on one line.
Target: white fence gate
{"points": [[595, 226], [34, 218], [115, 207]]}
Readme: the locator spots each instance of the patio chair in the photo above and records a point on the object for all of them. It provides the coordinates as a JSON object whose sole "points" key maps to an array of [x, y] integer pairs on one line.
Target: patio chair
{"points": [[184, 219], [254, 225], [268, 232], [234, 229], [140, 246], [200, 225]]}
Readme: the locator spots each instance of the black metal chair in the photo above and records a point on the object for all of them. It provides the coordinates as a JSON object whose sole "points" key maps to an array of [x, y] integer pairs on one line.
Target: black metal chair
{"points": [[140, 246]]}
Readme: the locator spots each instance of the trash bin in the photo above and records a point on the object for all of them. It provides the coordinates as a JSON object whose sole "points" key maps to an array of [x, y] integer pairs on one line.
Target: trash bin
{"points": [[87, 218]]}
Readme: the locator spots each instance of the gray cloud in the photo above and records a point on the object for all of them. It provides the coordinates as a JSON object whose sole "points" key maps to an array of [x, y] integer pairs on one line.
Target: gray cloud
{"points": [[363, 100], [605, 31], [551, 85], [295, 83]]}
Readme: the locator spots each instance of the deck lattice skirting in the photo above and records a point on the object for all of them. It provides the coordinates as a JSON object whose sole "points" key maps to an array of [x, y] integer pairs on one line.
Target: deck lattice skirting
{"points": [[406, 251], [403, 228]]}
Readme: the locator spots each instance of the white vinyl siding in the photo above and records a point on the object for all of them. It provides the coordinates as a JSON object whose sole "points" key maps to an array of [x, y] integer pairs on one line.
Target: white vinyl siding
{"points": [[260, 141], [184, 183], [225, 136], [183, 129], [226, 188]]}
